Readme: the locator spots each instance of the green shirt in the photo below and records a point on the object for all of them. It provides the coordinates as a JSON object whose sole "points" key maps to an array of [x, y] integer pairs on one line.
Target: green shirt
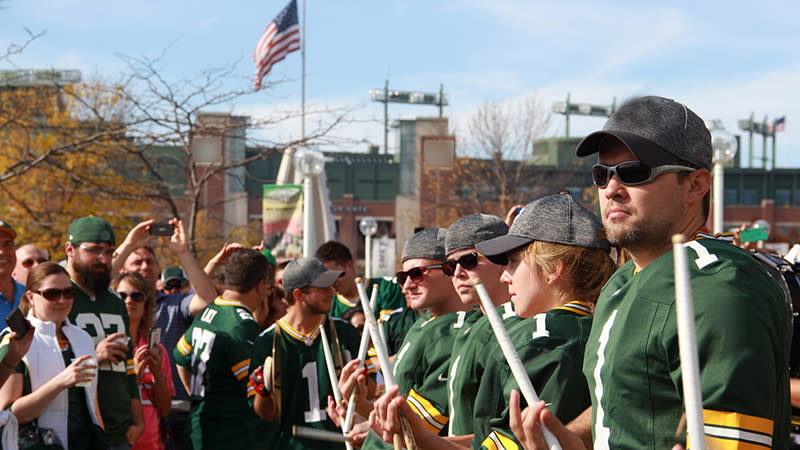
{"points": [[304, 381], [216, 351], [471, 351], [102, 315], [743, 329], [550, 346]]}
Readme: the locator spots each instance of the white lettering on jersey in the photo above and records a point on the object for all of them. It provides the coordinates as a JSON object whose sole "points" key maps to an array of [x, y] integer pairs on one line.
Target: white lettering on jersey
{"points": [[314, 413], [508, 310], [462, 316], [601, 433], [704, 258], [451, 391], [399, 356], [208, 315], [541, 326], [202, 342], [104, 325]]}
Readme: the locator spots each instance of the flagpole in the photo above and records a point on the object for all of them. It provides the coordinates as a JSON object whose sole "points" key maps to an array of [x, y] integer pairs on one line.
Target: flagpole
{"points": [[303, 82]]}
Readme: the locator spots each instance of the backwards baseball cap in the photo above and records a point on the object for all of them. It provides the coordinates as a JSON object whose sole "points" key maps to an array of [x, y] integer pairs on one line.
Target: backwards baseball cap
{"points": [[658, 131], [308, 271], [173, 273], [467, 231], [557, 219], [90, 229], [6, 228], [428, 244]]}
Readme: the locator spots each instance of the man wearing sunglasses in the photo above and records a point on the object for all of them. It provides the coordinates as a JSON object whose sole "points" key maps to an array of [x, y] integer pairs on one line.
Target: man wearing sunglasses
{"points": [[101, 313], [654, 157], [422, 364], [28, 257], [470, 347]]}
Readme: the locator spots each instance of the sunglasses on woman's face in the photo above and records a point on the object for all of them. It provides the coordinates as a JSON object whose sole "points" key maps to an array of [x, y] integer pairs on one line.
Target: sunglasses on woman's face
{"points": [[417, 274], [467, 262], [136, 296], [52, 295], [631, 173]]}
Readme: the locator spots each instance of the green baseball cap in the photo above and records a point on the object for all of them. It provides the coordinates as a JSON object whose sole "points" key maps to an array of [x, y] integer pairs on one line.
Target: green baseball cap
{"points": [[91, 229], [6, 228]]}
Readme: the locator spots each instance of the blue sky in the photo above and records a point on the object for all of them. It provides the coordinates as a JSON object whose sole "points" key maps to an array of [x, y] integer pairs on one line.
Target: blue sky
{"points": [[724, 59]]}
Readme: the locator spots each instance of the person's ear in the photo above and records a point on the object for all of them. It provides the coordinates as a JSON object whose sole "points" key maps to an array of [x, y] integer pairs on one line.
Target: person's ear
{"points": [[699, 184], [555, 275]]}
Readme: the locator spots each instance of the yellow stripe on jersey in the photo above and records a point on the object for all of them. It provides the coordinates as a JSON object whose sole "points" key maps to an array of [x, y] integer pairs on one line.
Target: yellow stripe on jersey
{"points": [[251, 391], [308, 339], [224, 302], [433, 420], [731, 430], [499, 441], [131, 368], [240, 369], [6, 339], [183, 346], [578, 307]]}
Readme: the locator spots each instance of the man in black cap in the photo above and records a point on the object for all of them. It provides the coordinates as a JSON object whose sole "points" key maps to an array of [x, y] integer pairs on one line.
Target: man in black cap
{"points": [[101, 313], [292, 351], [654, 156]]}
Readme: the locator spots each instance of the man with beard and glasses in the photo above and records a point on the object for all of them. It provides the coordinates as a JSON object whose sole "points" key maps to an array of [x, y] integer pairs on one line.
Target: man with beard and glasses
{"points": [[101, 313], [652, 176]]}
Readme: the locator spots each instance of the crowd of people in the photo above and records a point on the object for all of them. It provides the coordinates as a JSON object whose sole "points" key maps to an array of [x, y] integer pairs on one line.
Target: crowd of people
{"points": [[247, 352]]}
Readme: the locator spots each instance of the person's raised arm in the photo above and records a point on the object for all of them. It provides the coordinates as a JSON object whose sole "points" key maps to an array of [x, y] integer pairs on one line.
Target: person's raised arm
{"points": [[137, 238], [203, 287]]}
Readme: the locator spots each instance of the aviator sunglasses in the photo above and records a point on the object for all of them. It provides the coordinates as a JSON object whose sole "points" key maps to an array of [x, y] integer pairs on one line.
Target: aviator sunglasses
{"points": [[631, 173], [136, 296], [467, 262], [417, 274], [52, 295]]}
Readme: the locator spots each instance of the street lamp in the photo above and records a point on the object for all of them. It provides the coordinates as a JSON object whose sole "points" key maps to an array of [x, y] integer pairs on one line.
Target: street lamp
{"points": [[368, 227], [724, 145], [308, 163]]}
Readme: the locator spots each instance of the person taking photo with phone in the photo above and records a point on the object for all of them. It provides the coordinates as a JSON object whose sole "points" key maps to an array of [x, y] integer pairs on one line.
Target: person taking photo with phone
{"points": [[151, 363], [56, 383]]}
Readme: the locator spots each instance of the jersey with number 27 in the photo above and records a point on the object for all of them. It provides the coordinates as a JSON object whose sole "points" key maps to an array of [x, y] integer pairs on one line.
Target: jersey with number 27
{"points": [[216, 351]]}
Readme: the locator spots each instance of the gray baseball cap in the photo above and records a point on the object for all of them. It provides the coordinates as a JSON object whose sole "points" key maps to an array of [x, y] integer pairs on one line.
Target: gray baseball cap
{"points": [[469, 230], [555, 218], [308, 271], [658, 131], [427, 244]]}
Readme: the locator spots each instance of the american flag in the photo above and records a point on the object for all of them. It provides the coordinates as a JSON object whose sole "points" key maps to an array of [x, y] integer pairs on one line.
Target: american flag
{"points": [[281, 37], [779, 125]]}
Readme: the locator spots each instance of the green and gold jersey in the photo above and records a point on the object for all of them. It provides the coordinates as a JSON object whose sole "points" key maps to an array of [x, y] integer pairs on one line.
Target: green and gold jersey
{"points": [[471, 351], [102, 315], [550, 346], [390, 297], [216, 350], [421, 368], [396, 324], [743, 333], [304, 381]]}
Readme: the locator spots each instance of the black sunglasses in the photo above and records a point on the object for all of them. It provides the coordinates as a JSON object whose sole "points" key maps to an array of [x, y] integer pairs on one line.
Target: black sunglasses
{"points": [[417, 274], [467, 262], [631, 173], [136, 296], [172, 285], [52, 295]]}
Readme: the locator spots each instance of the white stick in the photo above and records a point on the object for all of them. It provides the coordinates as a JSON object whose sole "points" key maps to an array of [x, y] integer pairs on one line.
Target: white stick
{"points": [[687, 343], [362, 355], [520, 374], [332, 373], [319, 435]]}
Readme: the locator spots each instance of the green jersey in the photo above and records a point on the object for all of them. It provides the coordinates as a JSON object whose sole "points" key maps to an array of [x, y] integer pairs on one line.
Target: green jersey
{"points": [[216, 349], [421, 369], [550, 346], [101, 315], [743, 333], [390, 297], [471, 351], [304, 381], [396, 324]]}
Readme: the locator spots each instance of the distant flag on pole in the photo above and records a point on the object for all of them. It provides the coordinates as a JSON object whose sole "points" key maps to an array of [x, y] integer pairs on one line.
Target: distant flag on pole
{"points": [[779, 124], [281, 37]]}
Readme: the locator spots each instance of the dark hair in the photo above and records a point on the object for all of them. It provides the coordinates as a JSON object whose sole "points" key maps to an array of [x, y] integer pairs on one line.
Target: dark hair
{"points": [[244, 269], [35, 278], [334, 251], [706, 199], [140, 284]]}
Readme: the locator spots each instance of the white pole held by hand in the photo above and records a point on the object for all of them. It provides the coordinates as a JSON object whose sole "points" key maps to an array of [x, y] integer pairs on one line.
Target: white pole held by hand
{"points": [[520, 374], [332, 372], [687, 343], [362, 356]]}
